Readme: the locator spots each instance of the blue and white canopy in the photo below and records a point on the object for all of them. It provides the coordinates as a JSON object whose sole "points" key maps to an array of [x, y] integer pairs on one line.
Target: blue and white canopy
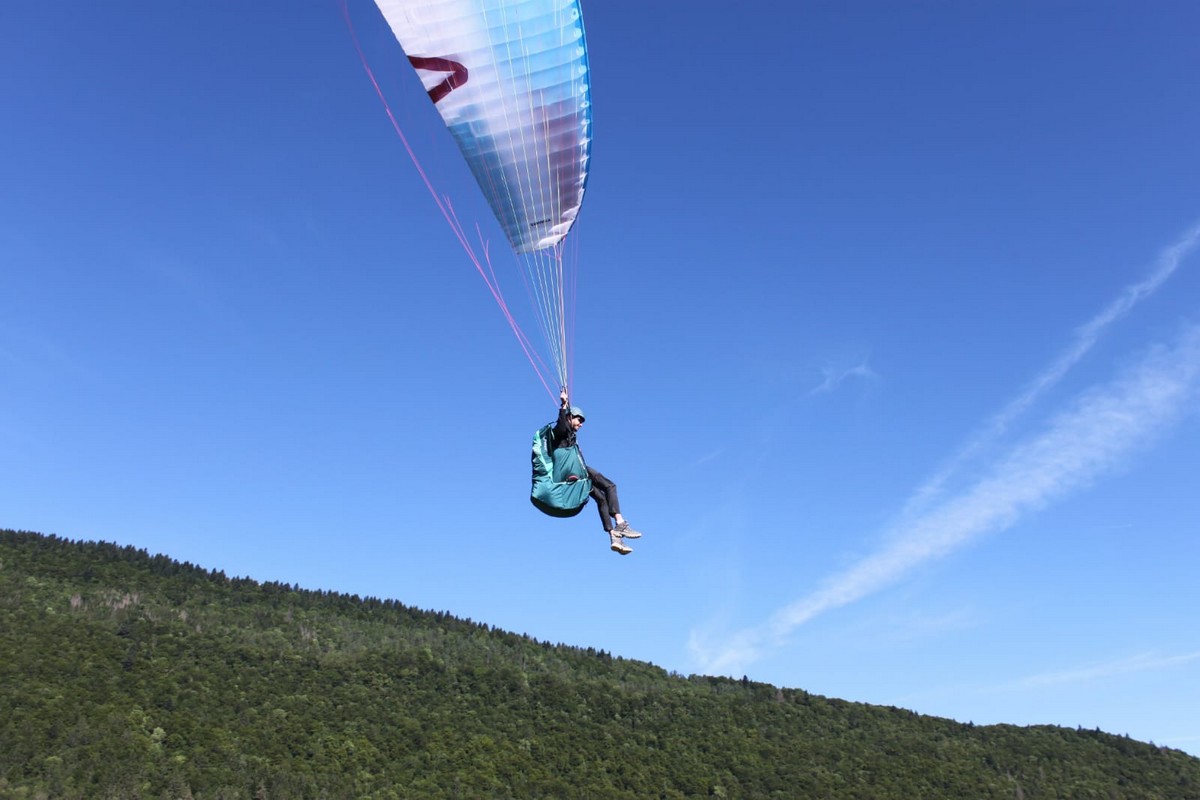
{"points": [[510, 79]]}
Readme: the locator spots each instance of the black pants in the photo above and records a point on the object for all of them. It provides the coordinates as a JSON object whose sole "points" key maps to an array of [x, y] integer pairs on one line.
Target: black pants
{"points": [[604, 492]]}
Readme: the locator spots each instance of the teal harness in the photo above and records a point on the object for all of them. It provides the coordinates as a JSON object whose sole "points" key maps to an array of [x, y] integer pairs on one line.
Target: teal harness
{"points": [[560, 478]]}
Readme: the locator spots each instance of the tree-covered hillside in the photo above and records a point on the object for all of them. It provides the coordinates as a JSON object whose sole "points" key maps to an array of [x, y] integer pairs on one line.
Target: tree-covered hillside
{"points": [[126, 675]]}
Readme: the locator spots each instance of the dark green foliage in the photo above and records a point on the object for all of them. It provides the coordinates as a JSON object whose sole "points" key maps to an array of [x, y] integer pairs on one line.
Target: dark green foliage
{"points": [[125, 675]]}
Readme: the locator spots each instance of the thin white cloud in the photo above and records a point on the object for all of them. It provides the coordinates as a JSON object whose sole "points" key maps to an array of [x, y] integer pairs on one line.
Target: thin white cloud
{"points": [[835, 377], [1080, 444], [921, 626], [1144, 662], [1085, 338]]}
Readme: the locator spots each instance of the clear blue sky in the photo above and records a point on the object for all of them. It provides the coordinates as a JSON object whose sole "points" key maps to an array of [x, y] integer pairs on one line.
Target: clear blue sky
{"points": [[888, 329]]}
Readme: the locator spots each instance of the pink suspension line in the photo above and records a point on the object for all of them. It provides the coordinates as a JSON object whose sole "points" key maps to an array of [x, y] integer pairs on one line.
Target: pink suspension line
{"points": [[444, 205]]}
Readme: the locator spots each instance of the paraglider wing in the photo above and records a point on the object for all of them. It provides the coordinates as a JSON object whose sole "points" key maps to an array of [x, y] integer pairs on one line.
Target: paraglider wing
{"points": [[510, 79]]}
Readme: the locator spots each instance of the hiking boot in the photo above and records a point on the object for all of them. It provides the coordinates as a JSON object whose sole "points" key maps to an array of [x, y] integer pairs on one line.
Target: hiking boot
{"points": [[625, 532], [618, 546]]}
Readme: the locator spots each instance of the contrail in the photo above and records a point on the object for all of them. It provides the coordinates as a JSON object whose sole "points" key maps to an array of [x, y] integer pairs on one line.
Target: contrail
{"points": [[1140, 663], [1085, 338], [1089, 438], [1079, 445]]}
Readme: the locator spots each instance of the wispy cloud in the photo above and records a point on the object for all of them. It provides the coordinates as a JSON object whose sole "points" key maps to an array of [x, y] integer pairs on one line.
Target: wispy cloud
{"points": [[1144, 662], [1076, 676], [836, 376], [1077, 446], [1089, 438], [1084, 339], [922, 626]]}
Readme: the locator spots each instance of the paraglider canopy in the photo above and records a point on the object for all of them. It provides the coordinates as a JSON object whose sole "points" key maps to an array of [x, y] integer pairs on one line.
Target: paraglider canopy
{"points": [[509, 77], [510, 80]]}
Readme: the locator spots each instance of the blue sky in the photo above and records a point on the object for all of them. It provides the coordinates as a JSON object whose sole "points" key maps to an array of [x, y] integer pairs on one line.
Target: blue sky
{"points": [[888, 329]]}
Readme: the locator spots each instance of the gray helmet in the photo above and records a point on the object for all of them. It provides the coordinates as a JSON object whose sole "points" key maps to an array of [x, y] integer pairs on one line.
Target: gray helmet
{"points": [[576, 411]]}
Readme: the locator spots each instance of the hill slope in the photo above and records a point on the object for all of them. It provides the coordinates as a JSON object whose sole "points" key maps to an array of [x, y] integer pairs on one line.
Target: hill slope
{"points": [[129, 675]]}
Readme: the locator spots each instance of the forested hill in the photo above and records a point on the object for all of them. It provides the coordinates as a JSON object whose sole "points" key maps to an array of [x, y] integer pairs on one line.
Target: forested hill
{"points": [[126, 675]]}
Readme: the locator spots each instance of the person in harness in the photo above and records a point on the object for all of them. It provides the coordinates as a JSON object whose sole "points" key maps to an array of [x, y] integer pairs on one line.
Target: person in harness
{"points": [[603, 491]]}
